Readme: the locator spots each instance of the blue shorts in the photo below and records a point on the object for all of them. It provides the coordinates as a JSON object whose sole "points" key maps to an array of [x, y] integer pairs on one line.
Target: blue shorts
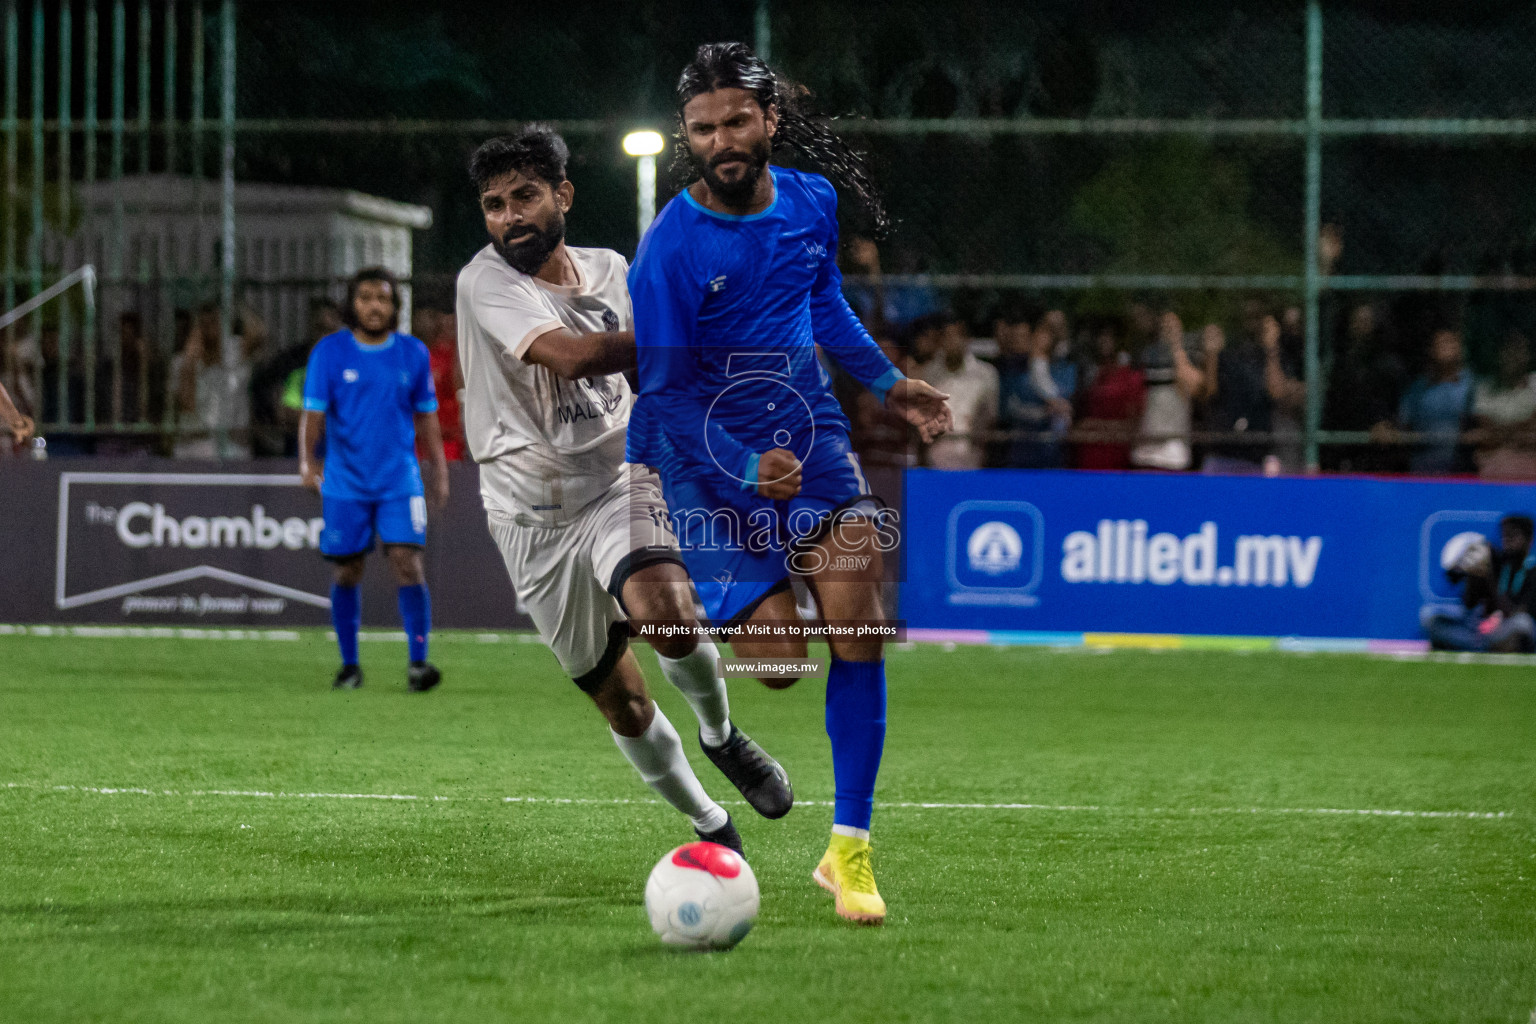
{"points": [[740, 546], [351, 523]]}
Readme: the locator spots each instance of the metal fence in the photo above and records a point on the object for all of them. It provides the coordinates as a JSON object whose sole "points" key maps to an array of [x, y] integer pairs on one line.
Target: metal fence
{"points": [[1211, 157]]}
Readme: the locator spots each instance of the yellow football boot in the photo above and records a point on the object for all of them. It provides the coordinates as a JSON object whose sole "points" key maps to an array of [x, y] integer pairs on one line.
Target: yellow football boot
{"points": [[845, 872]]}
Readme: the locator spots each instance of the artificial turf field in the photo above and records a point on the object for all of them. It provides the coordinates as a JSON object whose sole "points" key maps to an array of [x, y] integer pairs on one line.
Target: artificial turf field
{"points": [[1178, 865]]}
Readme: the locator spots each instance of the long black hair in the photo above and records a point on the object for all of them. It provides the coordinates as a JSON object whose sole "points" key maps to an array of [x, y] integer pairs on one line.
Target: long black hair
{"points": [[735, 66]]}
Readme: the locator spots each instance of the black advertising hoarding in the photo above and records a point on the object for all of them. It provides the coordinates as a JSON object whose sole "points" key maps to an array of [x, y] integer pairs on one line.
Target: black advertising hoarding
{"points": [[160, 542]]}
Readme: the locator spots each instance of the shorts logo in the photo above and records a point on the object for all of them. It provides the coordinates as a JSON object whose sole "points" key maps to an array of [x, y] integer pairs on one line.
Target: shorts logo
{"points": [[419, 514], [717, 284], [350, 376], [610, 320]]}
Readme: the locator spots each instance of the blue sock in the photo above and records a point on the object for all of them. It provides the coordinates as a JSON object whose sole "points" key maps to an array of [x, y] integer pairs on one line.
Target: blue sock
{"points": [[856, 725], [346, 617], [416, 617]]}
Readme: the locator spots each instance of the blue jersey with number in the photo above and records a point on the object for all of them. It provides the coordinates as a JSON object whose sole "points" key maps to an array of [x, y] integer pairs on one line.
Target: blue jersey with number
{"points": [[728, 313], [370, 395]]}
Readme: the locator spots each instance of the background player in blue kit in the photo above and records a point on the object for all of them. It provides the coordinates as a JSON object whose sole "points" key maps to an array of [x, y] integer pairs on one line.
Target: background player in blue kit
{"points": [[368, 393], [734, 287]]}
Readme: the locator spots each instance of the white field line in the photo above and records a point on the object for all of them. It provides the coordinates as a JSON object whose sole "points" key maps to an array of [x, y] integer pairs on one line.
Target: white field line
{"points": [[1366, 812], [474, 637]]}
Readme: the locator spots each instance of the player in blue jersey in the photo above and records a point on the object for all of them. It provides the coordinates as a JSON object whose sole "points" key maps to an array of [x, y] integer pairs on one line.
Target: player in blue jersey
{"points": [[734, 287], [368, 393]]}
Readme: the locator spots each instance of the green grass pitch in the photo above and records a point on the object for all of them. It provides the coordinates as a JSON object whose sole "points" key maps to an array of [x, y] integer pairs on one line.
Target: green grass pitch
{"points": [[1181, 869]]}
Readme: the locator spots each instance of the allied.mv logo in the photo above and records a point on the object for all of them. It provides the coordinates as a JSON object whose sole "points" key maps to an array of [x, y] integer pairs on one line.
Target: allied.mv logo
{"points": [[995, 553], [995, 548]]}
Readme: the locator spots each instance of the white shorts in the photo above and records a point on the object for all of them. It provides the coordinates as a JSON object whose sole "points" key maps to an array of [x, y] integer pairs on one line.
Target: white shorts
{"points": [[570, 577]]}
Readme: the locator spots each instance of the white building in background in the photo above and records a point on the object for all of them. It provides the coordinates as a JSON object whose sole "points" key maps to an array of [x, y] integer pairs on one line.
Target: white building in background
{"points": [[291, 243]]}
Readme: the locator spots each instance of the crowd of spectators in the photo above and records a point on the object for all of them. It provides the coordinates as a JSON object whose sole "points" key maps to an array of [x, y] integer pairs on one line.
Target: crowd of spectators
{"points": [[1035, 388], [1031, 386], [216, 397]]}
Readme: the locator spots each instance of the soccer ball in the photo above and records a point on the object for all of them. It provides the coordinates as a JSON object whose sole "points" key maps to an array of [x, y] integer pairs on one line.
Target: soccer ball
{"points": [[1466, 553], [702, 896]]}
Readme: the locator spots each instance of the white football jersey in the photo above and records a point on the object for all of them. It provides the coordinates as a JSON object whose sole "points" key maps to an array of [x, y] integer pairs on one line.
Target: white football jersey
{"points": [[546, 446]]}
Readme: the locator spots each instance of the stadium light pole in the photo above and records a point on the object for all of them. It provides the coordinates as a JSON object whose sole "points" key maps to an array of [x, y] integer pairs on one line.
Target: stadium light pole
{"points": [[643, 146]]}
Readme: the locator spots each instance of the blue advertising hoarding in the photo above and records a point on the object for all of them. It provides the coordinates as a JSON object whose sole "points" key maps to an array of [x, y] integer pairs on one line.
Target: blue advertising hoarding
{"points": [[1044, 552]]}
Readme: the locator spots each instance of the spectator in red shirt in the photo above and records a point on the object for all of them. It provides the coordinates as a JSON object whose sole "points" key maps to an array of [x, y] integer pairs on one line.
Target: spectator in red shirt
{"points": [[1110, 406], [441, 333]]}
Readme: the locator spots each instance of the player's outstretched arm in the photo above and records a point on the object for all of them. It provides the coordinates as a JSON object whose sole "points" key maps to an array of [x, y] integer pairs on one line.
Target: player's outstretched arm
{"points": [[429, 435], [574, 356], [20, 426], [311, 428], [922, 405]]}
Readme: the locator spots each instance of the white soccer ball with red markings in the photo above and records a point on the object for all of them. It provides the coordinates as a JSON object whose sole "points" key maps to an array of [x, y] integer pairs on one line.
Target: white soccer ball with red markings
{"points": [[702, 896]]}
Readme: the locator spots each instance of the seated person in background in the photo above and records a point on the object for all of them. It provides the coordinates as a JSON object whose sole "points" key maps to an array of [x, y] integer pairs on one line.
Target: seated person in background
{"points": [[1036, 404], [1504, 413], [1438, 404], [1498, 587], [1110, 406]]}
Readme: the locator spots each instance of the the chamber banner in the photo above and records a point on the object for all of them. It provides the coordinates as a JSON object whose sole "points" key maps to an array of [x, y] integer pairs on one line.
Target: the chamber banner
{"points": [[159, 542]]}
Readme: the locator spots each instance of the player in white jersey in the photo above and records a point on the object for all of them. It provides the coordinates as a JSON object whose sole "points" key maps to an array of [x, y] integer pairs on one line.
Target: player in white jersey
{"points": [[544, 334]]}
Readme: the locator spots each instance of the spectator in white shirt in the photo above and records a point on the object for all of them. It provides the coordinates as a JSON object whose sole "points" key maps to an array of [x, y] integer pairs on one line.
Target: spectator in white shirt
{"points": [[212, 384], [972, 388], [1504, 411]]}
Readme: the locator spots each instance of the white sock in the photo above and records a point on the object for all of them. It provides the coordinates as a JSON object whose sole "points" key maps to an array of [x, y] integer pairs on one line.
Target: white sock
{"points": [[851, 832], [697, 675], [657, 755]]}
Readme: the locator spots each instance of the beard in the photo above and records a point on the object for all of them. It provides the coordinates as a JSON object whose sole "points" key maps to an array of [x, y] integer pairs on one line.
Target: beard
{"points": [[529, 255], [741, 191]]}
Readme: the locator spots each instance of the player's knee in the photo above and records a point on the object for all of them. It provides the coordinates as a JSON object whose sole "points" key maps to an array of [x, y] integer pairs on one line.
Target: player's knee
{"points": [[680, 645], [350, 572], [863, 650], [407, 566]]}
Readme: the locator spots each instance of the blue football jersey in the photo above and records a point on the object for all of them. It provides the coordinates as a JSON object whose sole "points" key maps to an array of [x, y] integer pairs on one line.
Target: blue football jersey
{"points": [[370, 395], [728, 313]]}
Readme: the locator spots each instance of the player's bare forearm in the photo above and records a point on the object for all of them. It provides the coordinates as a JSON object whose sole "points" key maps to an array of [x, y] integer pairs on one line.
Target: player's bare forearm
{"points": [[574, 356], [430, 434], [20, 426], [311, 429]]}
